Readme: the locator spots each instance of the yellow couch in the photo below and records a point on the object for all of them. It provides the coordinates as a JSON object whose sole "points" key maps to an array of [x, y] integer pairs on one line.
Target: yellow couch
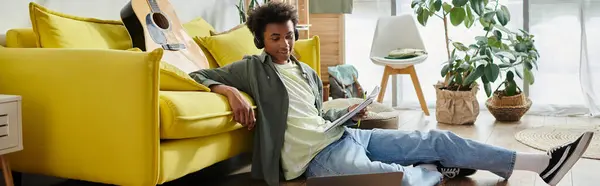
{"points": [[105, 115]]}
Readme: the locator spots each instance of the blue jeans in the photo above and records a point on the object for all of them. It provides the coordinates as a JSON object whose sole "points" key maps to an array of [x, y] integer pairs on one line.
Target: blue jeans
{"points": [[379, 151]]}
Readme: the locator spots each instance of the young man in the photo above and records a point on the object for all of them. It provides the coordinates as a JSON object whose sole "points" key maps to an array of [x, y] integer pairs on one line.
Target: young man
{"points": [[288, 123]]}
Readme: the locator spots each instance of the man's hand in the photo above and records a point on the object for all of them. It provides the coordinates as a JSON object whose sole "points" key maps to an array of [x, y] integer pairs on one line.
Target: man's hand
{"points": [[360, 115], [242, 111]]}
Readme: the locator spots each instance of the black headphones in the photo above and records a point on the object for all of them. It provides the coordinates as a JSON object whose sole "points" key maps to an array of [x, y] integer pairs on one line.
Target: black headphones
{"points": [[259, 41]]}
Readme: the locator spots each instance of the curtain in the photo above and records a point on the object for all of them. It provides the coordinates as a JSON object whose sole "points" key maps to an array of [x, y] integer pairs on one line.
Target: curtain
{"points": [[568, 80]]}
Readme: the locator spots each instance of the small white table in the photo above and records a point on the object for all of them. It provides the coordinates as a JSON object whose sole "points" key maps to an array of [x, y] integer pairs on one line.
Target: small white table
{"points": [[10, 132]]}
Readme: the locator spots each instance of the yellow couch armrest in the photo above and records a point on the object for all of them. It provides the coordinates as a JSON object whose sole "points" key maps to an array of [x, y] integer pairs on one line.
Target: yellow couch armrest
{"points": [[88, 114]]}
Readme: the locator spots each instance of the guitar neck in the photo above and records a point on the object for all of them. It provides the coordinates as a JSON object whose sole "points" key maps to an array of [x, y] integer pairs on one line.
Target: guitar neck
{"points": [[153, 5]]}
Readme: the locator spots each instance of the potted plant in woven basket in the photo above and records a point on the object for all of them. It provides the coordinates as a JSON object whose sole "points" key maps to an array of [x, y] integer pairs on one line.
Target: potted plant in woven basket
{"points": [[510, 103], [470, 66]]}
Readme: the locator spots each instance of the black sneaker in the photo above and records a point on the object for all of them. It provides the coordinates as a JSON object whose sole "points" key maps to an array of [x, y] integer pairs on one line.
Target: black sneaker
{"points": [[562, 158], [451, 172]]}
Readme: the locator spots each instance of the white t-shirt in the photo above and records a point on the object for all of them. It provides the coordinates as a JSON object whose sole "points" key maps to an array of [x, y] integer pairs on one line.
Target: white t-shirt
{"points": [[303, 137]]}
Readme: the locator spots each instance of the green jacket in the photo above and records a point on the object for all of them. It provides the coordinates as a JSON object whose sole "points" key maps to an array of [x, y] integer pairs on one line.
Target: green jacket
{"points": [[257, 76]]}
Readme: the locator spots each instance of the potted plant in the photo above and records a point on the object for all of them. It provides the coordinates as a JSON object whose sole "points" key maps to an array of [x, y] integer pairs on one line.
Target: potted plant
{"points": [[510, 104], [498, 49]]}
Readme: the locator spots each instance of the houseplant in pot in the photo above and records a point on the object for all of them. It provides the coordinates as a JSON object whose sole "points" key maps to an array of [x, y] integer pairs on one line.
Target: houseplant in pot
{"points": [[474, 65], [510, 104]]}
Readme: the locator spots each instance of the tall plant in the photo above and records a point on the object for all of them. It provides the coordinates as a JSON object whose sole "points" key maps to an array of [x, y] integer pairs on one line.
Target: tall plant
{"points": [[498, 50]]}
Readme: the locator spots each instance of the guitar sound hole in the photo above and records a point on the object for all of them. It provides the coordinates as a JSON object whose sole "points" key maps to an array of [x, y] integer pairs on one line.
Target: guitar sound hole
{"points": [[160, 20]]}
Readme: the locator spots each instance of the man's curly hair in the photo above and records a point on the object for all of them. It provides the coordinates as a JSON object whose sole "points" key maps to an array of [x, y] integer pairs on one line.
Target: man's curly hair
{"points": [[272, 12]]}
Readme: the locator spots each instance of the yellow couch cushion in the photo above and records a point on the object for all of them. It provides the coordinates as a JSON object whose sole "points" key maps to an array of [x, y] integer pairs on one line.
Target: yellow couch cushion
{"points": [[230, 47], [309, 52], [20, 38], [200, 28], [187, 114], [174, 79], [57, 30]]}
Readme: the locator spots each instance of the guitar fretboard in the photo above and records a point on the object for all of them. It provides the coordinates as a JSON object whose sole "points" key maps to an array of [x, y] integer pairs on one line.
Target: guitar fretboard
{"points": [[153, 5]]}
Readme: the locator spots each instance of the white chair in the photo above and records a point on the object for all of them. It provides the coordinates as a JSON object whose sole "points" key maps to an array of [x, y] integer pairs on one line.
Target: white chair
{"points": [[394, 32]]}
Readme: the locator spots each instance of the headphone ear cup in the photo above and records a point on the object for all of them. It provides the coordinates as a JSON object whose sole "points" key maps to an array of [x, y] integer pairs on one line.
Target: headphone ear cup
{"points": [[258, 43], [296, 34]]}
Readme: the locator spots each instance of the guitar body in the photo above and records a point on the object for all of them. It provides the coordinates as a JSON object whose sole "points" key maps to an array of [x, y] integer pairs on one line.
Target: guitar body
{"points": [[154, 24]]}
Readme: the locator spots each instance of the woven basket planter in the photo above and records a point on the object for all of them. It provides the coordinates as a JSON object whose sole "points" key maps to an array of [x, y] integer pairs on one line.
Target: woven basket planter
{"points": [[508, 108]]}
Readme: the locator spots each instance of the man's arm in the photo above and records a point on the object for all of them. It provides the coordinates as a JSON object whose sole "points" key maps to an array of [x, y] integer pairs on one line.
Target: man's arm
{"points": [[227, 81], [233, 75]]}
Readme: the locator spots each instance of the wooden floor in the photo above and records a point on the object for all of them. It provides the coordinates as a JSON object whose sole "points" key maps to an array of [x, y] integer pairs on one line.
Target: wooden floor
{"points": [[236, 171]]}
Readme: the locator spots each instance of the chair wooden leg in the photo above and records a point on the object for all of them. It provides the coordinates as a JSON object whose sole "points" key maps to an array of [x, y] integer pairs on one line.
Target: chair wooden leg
{"points": [[384, 80], [415, 80], [6, 171]]}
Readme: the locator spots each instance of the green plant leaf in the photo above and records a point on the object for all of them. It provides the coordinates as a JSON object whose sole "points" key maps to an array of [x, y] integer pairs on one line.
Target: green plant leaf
{"points": [[474, 75], [469, 19], [423, 15], [492, 41], [458, 79], [437, 5], [489, 17], [414, 3], [459, 3], [473, 46], [498, 34], [492, 71], [447, 7], [506, 55], [488, 52], [430, 5], [529, 77], [484, 23], [463, 67], [481, 38], [519, 73], [505, 47], [445, 70], [520, 47], [510, 75], [457, 15], [511, 87], [479, 58], [503, 15], [460, 46], [504, 65], [486, 86], [528, 65], [477, 6], [504, 29]]}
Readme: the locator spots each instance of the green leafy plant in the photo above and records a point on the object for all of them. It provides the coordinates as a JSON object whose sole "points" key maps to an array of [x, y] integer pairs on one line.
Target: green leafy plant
{"points": [[498, 51]]}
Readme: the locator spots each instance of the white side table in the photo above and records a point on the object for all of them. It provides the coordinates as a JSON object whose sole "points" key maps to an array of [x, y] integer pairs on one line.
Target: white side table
{"points": [[10, 131]]}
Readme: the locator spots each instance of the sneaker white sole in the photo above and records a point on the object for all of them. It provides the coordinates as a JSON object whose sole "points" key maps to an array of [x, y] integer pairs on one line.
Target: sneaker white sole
{"points": [[581, 147]]}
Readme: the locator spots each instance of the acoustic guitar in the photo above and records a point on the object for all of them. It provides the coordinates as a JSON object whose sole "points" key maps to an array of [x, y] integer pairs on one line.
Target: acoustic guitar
{"points": [[153, 24]]}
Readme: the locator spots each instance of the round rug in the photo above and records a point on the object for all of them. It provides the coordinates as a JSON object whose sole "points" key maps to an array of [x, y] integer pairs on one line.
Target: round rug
{"points": [[546, 137]]}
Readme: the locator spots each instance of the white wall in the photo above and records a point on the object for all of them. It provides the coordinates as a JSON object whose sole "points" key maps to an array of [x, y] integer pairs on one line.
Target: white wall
{"points": [[222, 14]]}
